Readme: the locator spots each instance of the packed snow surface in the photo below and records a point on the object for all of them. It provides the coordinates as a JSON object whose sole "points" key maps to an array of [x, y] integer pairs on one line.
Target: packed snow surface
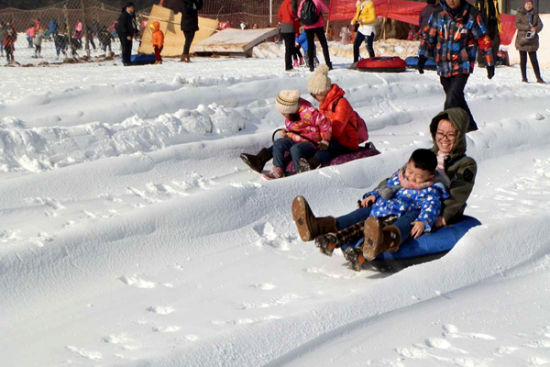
{"points": [[131, 234]]}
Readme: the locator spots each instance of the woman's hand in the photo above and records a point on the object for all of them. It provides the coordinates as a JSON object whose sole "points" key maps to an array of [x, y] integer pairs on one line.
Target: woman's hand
{"points": [[533, 29], [440, 222], [368, 201], [417, 229], [283, 132]]}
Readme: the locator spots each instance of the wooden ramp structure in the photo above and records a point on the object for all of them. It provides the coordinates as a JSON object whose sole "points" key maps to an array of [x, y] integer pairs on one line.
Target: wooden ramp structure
{"points": [[173, 35], [234, 42]]}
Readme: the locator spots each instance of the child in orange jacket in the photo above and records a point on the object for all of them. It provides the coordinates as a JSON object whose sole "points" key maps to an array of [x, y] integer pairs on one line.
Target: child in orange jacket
{"points": [[158, 41]]}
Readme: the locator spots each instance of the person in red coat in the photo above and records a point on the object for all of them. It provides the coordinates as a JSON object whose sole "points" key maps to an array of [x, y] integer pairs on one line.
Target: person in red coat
{"points": [[343, 119], [290, 25]]}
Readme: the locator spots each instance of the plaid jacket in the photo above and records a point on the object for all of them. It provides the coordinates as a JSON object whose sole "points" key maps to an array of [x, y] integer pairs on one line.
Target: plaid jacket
{"points": [[454, 40]]}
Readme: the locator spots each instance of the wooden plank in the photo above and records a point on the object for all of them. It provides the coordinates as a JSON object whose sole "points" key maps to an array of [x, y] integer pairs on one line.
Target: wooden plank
{"points": [[235, 41]]}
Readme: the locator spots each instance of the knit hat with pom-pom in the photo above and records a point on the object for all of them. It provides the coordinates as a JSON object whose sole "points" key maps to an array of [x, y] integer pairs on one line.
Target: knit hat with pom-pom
{"points": [[319, 82], [288, 101]]}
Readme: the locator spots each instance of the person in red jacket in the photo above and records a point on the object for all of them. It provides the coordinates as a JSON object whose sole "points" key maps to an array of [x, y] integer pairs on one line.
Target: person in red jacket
{"points": [[343, 119], [290, 25]]}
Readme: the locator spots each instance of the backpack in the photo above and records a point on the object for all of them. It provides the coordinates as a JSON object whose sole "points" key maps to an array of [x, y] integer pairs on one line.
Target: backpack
{"points": [[360, 125], [309, 14]]}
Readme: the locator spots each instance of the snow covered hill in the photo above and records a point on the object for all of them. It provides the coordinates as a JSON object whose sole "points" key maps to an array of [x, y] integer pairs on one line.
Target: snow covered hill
{"points": [[132, 235]]}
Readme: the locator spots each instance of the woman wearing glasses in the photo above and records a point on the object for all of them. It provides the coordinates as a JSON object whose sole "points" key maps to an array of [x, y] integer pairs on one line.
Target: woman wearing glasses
{"points": [[448, 131]]}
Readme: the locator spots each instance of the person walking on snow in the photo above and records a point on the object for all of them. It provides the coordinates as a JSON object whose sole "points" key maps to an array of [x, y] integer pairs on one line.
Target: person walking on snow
{"points": [[189, 24], [491, 19], [158, 41], [8, 42], [453, 37], [364, 18], [290, 25], [529, 26], [310, 13]]}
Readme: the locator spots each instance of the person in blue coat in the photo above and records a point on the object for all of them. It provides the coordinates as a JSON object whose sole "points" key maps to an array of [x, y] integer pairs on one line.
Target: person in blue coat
{"points": [[301, 42], [53, 27]]}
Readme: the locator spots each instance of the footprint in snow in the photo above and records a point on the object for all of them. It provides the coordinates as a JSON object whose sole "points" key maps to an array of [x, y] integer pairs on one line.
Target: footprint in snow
{"points": [[122, 340], [91, 355], [263, 286], [7, 236], [137, 281], [268, 237], [161, 310], [166, 329], [452, 331]]}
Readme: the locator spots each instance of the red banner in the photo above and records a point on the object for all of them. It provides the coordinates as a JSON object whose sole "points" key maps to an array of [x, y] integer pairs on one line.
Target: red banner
{"points": [[408, 12], [508, 24], [402, 10]]}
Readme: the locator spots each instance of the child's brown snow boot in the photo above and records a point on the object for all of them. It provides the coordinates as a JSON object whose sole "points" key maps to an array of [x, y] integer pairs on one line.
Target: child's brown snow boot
{"points": [[307, 224], [379, 239]]}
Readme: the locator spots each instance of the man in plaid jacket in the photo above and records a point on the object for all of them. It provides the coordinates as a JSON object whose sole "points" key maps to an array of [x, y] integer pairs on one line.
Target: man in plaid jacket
{"points": [[452, 37]]}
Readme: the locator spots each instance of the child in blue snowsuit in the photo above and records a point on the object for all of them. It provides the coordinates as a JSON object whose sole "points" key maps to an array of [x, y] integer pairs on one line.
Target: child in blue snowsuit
{"points": [[301, 42], [415, 191]]}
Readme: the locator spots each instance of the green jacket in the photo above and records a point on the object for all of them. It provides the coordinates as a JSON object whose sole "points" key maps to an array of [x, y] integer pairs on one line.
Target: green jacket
{"points": [[460, 168]]}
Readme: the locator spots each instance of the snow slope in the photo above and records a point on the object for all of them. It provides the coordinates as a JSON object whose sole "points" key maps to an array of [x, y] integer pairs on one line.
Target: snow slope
{"points": [[132, 235]]}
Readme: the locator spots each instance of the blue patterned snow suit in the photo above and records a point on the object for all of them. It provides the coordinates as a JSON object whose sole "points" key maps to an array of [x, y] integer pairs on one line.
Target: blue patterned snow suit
{"points": [[427, 201]]}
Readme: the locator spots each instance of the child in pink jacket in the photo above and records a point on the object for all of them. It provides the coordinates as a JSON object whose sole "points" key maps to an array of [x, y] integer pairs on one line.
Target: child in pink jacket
{"points": [[306, 130], [310, 14]]}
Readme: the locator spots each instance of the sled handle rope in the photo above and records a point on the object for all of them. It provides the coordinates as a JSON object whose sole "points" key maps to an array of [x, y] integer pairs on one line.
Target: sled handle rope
{"points": [[294, 132]]}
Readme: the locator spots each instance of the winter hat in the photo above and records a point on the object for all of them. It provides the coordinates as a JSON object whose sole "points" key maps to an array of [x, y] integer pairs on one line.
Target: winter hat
{"points": [[528, 1], [287, 101], [127, 4], [319, 82]]}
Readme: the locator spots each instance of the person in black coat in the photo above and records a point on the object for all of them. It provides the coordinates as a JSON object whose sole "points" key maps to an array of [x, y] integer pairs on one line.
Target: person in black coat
{"points": [[189, 24], [126, 29], [431, 7]]}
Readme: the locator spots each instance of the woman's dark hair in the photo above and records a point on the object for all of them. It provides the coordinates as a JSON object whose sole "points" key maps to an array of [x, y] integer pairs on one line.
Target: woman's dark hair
{"points": [[424, 159], [294, 117], [431, 1]]}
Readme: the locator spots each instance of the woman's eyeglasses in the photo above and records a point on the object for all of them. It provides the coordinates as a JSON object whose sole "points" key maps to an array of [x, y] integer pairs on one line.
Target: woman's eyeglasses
{"points": [[449, 136]]}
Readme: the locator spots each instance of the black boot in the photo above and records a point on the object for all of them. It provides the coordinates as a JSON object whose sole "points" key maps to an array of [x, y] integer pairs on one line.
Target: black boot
{"points": [[305, 165], [258, 161], [355, 258], [327, 243]]}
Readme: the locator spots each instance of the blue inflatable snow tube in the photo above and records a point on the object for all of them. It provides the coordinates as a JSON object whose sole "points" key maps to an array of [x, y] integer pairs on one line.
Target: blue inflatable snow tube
{"points": [[412, 62], [142, 59], [442, 240]]}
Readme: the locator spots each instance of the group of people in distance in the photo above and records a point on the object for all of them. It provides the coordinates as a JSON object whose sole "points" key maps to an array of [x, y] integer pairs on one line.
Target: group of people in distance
{"points": [[127, 30], [431, 189]]}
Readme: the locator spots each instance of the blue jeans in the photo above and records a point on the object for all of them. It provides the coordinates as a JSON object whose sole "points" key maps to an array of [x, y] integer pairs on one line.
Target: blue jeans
{"points": [[359, 38], [297, 151], [356, 216], [335, 149], [361, 214]]}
